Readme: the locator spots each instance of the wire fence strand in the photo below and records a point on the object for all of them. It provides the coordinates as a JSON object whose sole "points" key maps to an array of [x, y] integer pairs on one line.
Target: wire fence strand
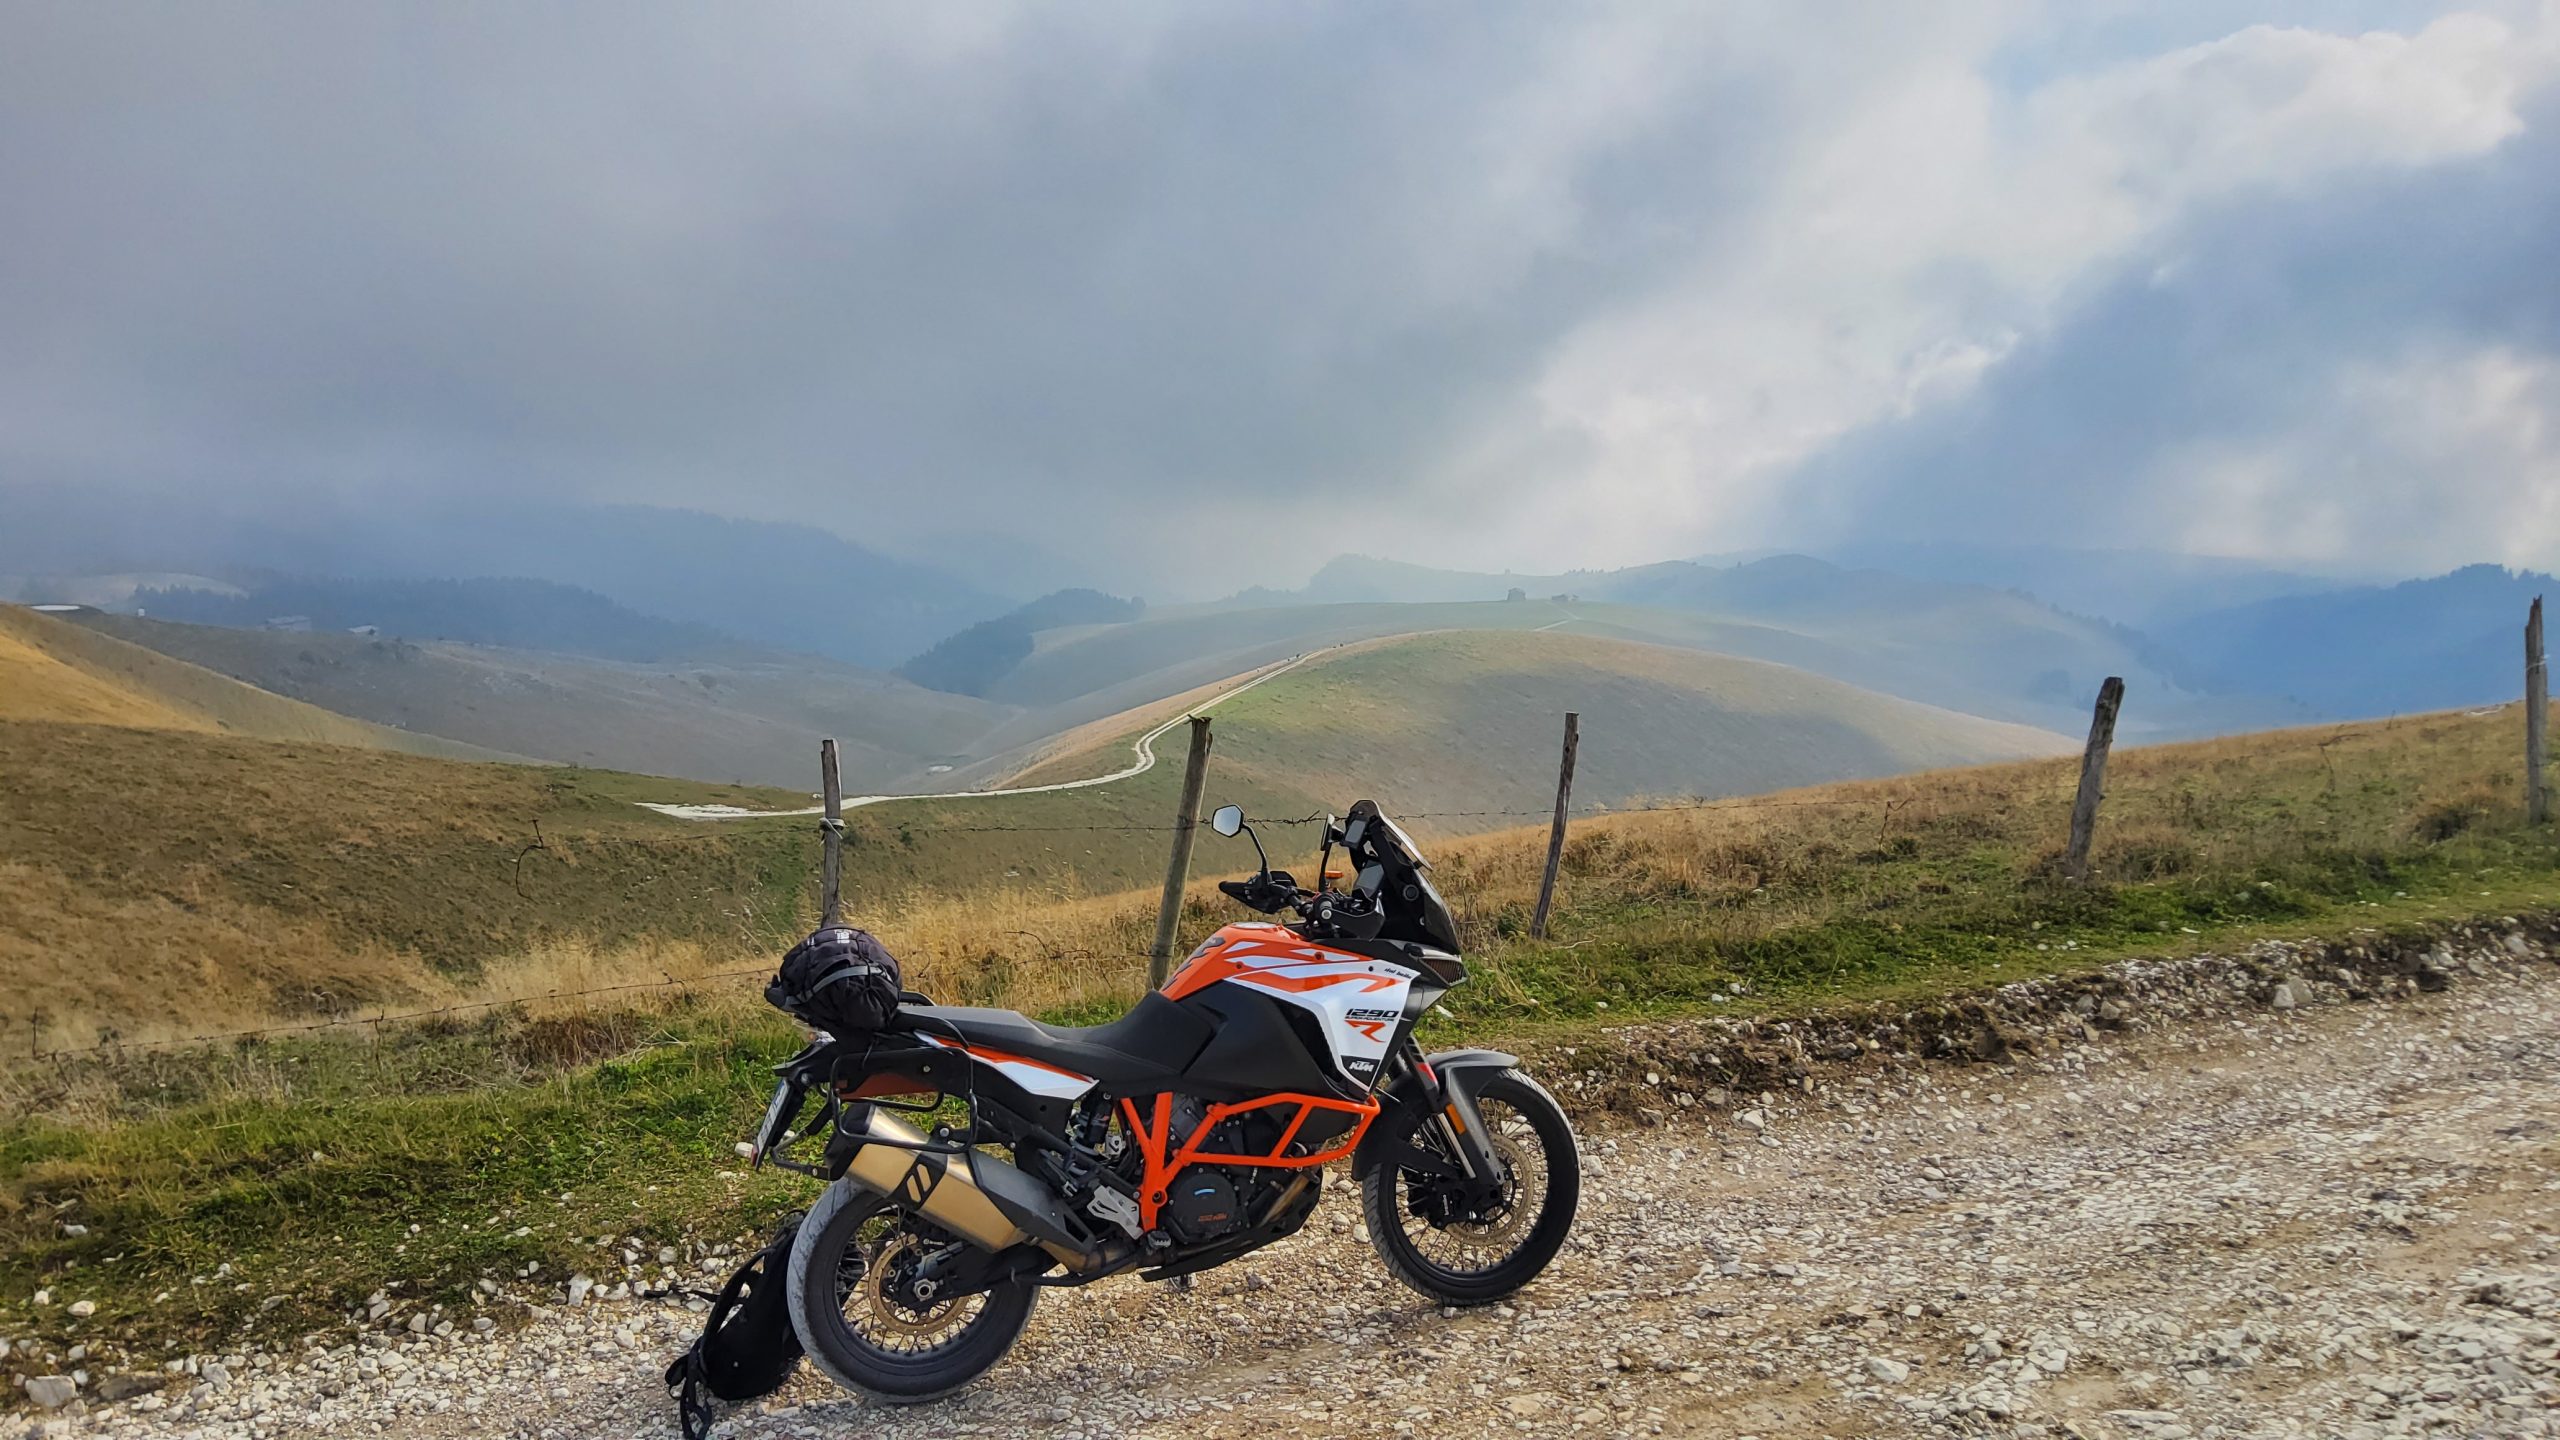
{"points": [[542, 843]]}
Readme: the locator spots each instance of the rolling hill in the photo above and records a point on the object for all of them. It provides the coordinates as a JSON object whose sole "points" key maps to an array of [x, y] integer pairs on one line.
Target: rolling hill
{"points": [[738, 715], [1458, 723], [1969, 648], [52, 669]]}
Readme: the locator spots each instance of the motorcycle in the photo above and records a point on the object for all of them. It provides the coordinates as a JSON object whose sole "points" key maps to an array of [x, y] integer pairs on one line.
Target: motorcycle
{"points": [[974, 1157]]}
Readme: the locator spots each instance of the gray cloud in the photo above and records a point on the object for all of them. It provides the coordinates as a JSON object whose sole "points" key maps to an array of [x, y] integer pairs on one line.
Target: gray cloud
{"points": [[1533, 285], [2363, 377]]}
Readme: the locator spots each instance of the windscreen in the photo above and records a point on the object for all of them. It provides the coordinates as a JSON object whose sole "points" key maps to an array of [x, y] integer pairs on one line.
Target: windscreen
{"points": [[1396, 837]]}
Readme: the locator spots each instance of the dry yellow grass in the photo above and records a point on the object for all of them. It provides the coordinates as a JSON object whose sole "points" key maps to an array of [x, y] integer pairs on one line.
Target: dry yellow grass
{"points": [[38, 684], [182, 953], [1731, 870], [2233, 810], [55, 671]]}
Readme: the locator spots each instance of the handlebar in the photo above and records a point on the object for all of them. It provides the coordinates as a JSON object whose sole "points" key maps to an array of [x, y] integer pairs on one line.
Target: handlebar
{"points": [[1330, 912], [1269, 892]]}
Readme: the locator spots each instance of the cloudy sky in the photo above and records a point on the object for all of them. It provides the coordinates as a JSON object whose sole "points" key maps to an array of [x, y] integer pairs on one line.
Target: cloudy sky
{"points": [[1164, 288]]}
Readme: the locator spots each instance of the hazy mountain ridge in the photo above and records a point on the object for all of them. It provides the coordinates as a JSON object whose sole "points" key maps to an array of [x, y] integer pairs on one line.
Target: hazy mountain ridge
{"points": [[2145, 590], [974, 659], [2431, 644], [1975, 648], [784, 586], [513, 613]]}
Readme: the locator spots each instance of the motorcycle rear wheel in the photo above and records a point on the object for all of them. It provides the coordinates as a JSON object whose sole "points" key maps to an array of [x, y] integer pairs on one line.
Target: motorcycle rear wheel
{"points": [[868, 1336], [1475, 1259]]}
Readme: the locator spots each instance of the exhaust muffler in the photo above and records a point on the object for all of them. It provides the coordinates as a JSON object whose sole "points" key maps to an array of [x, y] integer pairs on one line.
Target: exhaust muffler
{"points": [[978, 1197]]}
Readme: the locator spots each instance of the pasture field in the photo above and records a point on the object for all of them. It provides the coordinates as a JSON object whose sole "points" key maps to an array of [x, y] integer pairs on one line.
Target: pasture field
{"points": [[532, 1139]]}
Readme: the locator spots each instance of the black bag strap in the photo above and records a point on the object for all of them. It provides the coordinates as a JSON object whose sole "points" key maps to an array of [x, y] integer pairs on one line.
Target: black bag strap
{"points": [[688, 1377]]}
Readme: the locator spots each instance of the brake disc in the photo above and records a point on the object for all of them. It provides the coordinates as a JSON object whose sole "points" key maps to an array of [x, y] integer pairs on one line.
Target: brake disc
{"points": [[1500, 1222], [887, 1290]]}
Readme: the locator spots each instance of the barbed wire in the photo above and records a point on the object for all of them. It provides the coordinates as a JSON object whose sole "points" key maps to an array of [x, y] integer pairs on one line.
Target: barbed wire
{"points": [[1591, 812], [544, 843]]}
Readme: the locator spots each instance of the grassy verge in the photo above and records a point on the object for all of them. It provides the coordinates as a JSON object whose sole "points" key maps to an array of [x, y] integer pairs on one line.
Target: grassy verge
{"points": [[526, 1146]]}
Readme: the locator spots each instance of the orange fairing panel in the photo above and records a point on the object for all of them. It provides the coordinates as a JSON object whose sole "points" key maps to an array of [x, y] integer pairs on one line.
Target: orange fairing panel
{"points": [[1251, 950]]}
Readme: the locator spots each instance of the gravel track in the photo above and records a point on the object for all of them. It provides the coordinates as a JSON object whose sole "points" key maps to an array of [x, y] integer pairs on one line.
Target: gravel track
{"points": [[2331, 1220]]}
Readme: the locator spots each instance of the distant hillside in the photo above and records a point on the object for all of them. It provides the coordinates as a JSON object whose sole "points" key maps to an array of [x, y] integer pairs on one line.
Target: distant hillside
{"points": [[2146, 589], [1962, 647], [790, 587], [55, 670], [168, 880], [106, 592], [1470, 722], [750, 717], [521, 614], [2457, 639], [975, 659]]}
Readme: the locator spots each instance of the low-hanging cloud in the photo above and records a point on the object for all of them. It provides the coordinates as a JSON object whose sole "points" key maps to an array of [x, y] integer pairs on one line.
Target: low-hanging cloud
{"points": [[1157, 286]]}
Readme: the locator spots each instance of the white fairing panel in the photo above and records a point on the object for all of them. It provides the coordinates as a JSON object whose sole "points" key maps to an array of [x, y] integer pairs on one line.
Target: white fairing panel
{"points": [[1358, 1001]]}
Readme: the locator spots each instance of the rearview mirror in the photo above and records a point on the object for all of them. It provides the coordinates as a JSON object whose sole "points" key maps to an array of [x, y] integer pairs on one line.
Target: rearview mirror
{"points": [[1227, 819]]}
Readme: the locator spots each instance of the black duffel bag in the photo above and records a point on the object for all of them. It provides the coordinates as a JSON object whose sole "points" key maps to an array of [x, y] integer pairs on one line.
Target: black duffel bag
{"points": [[840, 980]]}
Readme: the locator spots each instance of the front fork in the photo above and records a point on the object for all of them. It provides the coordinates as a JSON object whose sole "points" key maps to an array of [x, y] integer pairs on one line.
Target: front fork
{"points": [[1453, 1118]]}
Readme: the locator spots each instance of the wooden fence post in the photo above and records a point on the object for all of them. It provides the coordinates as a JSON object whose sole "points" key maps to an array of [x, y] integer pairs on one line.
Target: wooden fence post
{"points": [[1555, 833], [2093, 777], [1177, 871], [2537, 710], [831, 871]]}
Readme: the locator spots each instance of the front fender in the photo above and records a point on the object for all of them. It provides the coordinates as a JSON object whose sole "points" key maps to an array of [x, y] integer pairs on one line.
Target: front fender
{"points": [[1463, 1075]]}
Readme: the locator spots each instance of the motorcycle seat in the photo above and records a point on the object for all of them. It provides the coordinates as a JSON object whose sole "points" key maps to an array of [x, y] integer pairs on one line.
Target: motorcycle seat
{"points": [[1146, 1048]]}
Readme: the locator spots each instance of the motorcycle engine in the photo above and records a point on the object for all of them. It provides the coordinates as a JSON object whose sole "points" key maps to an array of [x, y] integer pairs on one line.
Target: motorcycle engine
{"points": [[1211, 1202]]}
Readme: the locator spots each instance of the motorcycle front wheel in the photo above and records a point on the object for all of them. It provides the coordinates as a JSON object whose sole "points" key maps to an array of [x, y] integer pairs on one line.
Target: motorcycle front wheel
{"points": [[854, 1305], [1463, 1251]]}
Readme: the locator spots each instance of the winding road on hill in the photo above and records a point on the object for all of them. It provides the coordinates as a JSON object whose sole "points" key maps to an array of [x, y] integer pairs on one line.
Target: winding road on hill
{"points": [[1143, 751]]}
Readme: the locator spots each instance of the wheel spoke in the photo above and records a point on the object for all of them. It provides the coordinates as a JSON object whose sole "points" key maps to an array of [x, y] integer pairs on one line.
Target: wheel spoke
{"points": [[1480, 1238], [874, 1294]]}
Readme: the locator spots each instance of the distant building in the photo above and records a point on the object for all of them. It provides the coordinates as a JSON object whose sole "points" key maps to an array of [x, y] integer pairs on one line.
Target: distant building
{"points": [[366, 630], [289, 622], [1517, 594]]}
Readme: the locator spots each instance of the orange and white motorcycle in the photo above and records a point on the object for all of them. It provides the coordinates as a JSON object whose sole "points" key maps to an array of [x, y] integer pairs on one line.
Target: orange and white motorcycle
{"points": [[974, 1156]]}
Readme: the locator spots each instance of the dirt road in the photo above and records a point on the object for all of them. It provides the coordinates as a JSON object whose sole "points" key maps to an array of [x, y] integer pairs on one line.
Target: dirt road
{"points": [[1142, 758], [2330, 1221]]}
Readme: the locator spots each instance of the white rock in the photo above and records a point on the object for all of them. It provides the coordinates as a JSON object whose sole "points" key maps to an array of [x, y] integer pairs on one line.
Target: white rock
{"points": [[83, 1309], [1891, 1372], [51, 1392]]}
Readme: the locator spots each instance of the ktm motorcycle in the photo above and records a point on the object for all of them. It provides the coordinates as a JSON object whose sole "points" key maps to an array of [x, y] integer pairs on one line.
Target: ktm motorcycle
{"points": [[975, 1157]]}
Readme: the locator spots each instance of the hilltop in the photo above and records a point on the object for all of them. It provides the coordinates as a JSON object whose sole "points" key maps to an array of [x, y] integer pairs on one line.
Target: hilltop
{"points": [[52, 669], [725, 714], [1469, 721]]}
